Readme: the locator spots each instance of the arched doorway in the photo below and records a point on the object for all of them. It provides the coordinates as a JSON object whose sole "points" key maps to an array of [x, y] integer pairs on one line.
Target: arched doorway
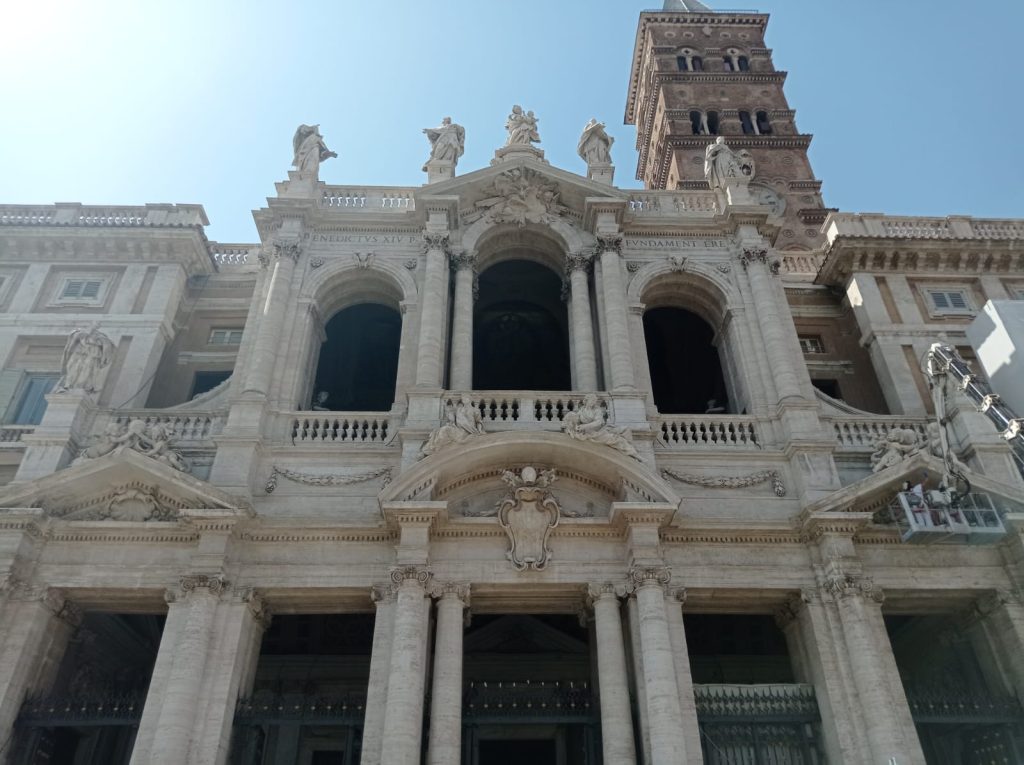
{"points": [[359, 360], [520, 329], [686, 371]]}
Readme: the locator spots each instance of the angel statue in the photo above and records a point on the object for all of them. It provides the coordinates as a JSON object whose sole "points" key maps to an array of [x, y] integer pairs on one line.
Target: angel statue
{"points": [[88, 352], [310, 149], [447, 142], [595, 144], [724, 167], [522, 128]]}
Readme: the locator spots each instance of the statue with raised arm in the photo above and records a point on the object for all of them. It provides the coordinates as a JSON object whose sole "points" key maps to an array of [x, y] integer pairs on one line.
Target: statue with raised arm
{"points": [[595, 144], [310, 149], [87, 354], [447, 142], [522, 128], [724, 167]]}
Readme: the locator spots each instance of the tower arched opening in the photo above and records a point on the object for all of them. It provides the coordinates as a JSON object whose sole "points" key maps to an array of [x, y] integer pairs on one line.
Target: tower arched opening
{"points": [[686, 371], [520, 329], [358, 363]]}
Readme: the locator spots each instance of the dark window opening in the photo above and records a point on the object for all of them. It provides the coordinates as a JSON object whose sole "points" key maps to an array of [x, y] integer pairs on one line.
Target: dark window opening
{"points": [[737, 648], [698, 63], [764, 127], [207, 381], [727, 64], [520, 329], [829, 388], [695, 122], [682, 63], [713, 123], [679, 342], [31, 402], [358, 363], [746, 123], [744, 64]]}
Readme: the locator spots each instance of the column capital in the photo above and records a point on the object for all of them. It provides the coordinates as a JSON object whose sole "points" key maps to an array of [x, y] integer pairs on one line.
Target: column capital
{"points": [[57, 603], [452, 591], [257, 605], [596, 592], [578, 261], [656, 576], [460, 260], [610, 243], [678, 594], [419, 575], [759, 255], [278, 249], [190, 583], [433, 240], [382, 594], [839, 586], [790, 610]]}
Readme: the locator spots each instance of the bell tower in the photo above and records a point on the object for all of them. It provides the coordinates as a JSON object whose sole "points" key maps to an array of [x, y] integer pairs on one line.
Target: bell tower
{"points": [[698, 74]]}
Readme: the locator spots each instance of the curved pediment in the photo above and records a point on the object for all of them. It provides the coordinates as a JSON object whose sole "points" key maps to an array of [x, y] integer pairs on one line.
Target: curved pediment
{"points": [[468, 476]]}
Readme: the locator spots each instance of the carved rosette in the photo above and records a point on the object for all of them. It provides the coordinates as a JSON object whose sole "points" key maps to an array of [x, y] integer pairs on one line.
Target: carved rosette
{"points": [[610, 243], [650, 576], [578, 261], [418, 575], [433, 241]]}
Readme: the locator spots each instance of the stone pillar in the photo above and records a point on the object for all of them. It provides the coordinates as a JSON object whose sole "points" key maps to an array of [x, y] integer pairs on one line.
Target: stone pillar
{"points": [[585, 359], [616, 318], [37, 625], [674, 599], [617, 740], [445, 746], [881, 699], [281, 257], [773, 331], [432, 311], [169, 717], [668, 744], [380, 662], [403, 716], [637, 656], [462, 322]]}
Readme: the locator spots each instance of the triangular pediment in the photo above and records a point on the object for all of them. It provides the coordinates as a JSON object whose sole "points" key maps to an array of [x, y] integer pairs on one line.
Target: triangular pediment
{"points": [[124, 486]]}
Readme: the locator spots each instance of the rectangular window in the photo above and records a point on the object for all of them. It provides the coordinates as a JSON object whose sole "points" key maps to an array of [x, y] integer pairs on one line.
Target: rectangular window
{"points": [[811, 344], [950, 301], [88, 289], [30, 401], [225, 336]]}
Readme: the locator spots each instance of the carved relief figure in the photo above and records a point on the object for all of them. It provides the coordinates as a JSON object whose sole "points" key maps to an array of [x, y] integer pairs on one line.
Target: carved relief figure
{"points": [[310, 149], [724, 167], [595, 144], [461, 421], [528, 516], [148, 439], [520, 196], [522, 128], [447, 142], [87, 354], [586, 423], [894, 447]]}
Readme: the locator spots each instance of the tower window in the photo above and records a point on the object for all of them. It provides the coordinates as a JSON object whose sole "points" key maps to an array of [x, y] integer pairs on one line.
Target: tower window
{"points": [[713, 123], [747, 124], [683, 63], [743, 64], [696, 122], [728, 64], [764, 127], [697, 63]]}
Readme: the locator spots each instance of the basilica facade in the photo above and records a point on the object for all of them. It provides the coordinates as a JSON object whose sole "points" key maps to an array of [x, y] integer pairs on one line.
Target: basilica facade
{"points": [[515, 465]]}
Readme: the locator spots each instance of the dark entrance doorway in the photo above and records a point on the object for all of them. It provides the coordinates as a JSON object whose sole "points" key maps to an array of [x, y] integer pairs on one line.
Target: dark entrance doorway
{"points": [[520, 329], [359, 360], [518, 752], [686, 371]]}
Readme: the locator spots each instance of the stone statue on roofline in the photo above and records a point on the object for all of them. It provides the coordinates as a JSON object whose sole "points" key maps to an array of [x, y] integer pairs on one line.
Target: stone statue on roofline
{"points": [[521, 127], [595, 144], [725, 168], [447, 142], [310, 150]]}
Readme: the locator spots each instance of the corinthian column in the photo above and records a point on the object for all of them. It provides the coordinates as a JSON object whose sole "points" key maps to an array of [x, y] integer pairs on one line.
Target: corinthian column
{"points": [[403, 716], [462, 322], [432, 311], [616, 319], [778, 347], [446, 699], [377, 687], [616, 718], [577, 265], [281, 258], [668, 744]]}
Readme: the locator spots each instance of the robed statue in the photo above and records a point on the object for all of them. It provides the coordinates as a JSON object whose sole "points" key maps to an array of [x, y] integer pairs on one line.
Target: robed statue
{"points": [[522, 128], [310, 149], [87, 354], [595, 144], [447, 142], [724, 167]]}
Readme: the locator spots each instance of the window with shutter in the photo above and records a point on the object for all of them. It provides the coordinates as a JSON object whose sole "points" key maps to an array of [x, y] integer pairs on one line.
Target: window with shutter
{"points": [[81, 290], [950, 301], [30, 402], [226, 336]]}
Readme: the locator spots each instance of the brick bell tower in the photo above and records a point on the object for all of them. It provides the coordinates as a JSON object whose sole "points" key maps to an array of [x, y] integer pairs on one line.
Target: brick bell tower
{"points": [[698, 74]]}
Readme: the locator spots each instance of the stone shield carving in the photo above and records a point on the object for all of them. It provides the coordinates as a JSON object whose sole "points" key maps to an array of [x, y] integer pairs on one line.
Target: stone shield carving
{"points": [[528, 515]]}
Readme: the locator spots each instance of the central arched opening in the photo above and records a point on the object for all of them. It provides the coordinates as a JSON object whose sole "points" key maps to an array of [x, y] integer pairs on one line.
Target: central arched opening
{"points": [[358, 362], [520, 329], [686, 371]]}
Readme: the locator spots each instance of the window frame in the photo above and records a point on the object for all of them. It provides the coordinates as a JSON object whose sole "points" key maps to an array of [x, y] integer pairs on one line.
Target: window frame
{"points": [[812, 339], [229, 333], [62, 298], [16, 411], [949, 309]]}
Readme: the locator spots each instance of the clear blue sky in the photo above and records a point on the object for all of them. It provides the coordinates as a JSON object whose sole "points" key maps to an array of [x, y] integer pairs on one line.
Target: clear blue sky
{"points": [[916, 105]]}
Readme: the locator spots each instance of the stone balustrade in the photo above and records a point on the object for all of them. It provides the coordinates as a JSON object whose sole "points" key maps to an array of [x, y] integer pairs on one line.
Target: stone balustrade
{"points": [[510, 410], [340, 428], [856, 433], [801, 263], [893, 227], [189, 428], [368, 198], [10, 435], [669, 203], [229, 255], [706, 432], [75, 214]]}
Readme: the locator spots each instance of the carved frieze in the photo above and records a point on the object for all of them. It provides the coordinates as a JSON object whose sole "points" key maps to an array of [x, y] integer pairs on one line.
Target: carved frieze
{"points": [[519, 196], [324, 479], [730, 482]]}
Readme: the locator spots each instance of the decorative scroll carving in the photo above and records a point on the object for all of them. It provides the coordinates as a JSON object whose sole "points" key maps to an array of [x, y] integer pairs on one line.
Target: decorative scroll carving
{"points": [[586, 423], [462, 421], [520, 196], [460, 590], [87, 355], [384, 593], [659, 575], [633, 266], [150, 439], [417, 574], [528, 515], [193, 582], [749, 256], [321, 479], [597, 591], [731, 482], [789, 611]]}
